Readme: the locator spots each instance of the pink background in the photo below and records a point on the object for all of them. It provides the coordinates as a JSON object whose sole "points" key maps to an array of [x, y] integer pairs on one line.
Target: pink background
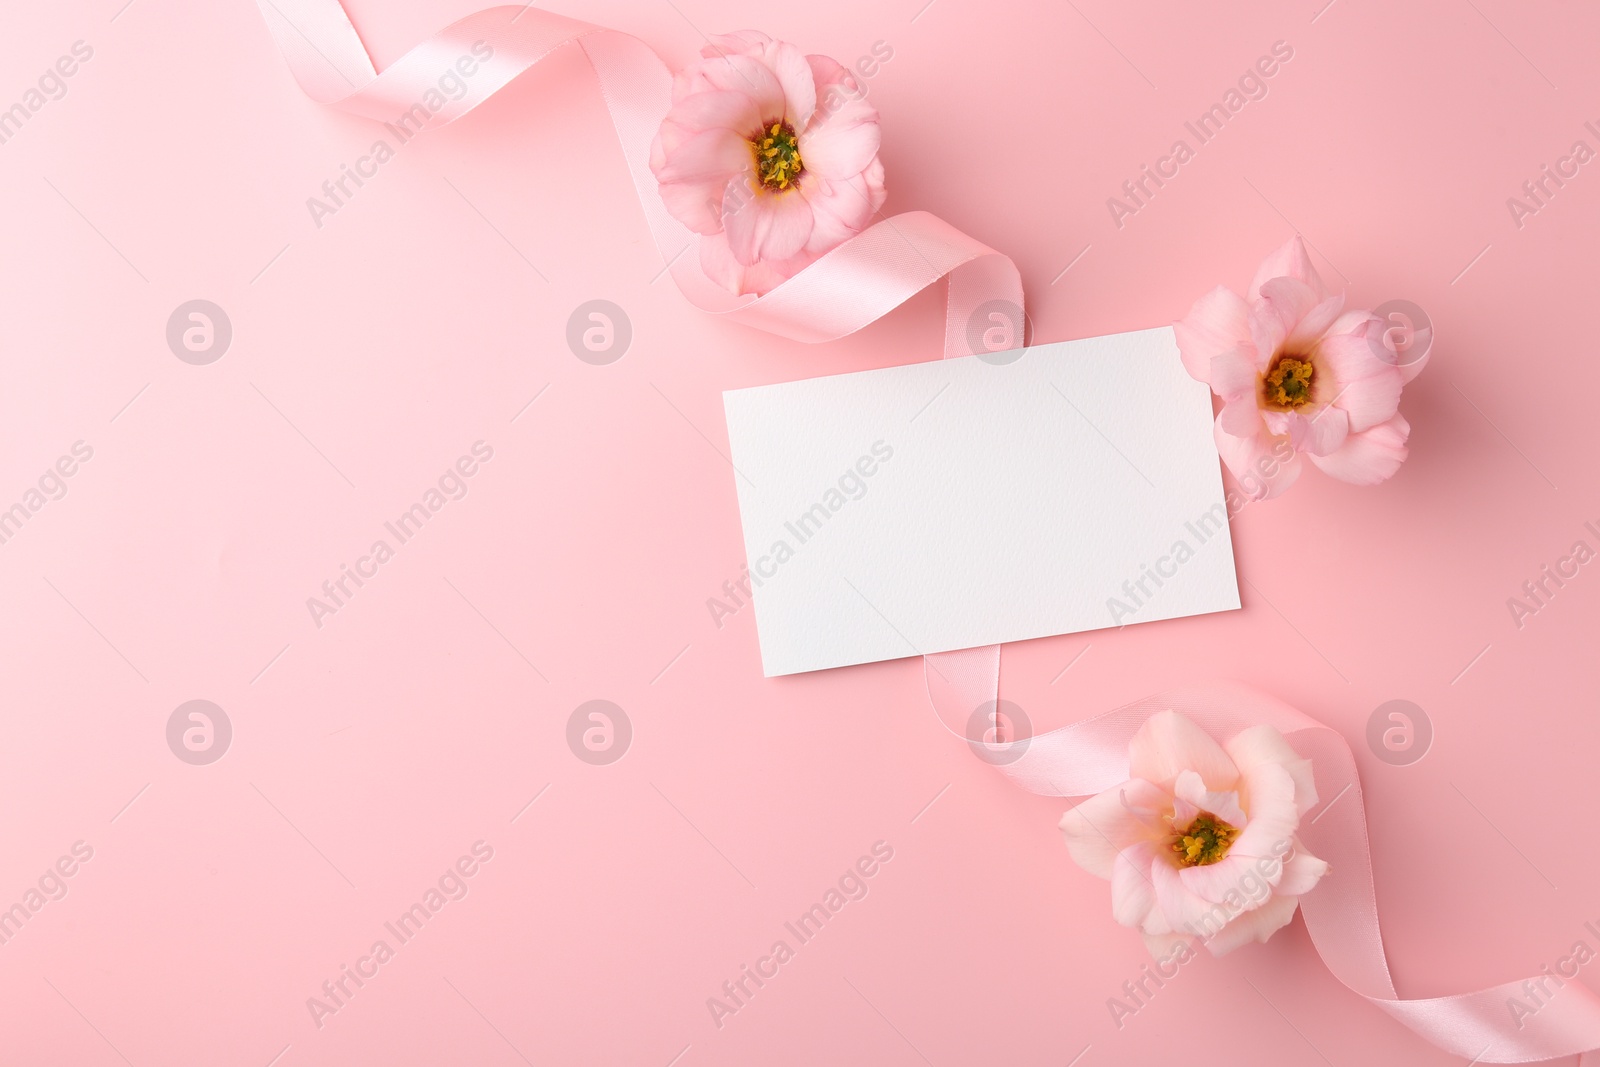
{"points": [[370, 353]]}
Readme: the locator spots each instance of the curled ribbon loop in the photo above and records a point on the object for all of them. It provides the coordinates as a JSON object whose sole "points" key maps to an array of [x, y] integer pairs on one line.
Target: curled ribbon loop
{"points": [[858, 282], [855, 284]]}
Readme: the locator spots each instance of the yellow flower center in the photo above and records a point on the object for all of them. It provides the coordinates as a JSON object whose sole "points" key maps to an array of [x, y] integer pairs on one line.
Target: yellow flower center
{"points": [[1288, 383], [777, 152], [1206, 840]]}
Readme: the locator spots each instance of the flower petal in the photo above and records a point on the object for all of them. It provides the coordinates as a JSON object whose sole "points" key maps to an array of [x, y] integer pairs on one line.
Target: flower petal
{"points": [[1301, 872], [738, 42], [1314, 324], [1241, 418], [694, 177], [733, 72], [1357, 380], [1290, 261], [1224, 804], [1170, 743], [842, 209], [710, 156], [716, 109], [1257, 925], [1184, 910], [799, 87], [1263, 464], [1370, 457], [1275, 317], [1234, 876], [1105, 824], [1320, 433], [1233, 376], [843, 143], [1417, 352], [1219, 322], [1133, 893], [1166, 946], [1258, 745], [757, 279], [1273, 818], [766, 226]]}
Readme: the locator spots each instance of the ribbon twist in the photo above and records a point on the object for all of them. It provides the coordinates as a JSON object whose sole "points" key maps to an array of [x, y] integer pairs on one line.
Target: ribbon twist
{"points": [[855, 284]]}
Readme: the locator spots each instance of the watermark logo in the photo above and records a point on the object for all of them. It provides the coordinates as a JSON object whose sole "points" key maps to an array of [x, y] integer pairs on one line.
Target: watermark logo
{"points": [[999, 732], [599, 332], [1399, 733], [199, 732], [1405, 336], [996, 332], [599, 732], [199, 332]]}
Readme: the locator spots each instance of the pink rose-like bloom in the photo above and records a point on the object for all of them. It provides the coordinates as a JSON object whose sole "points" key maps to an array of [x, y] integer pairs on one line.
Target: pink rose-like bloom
{"points": [[1298, 376], [770, 155], [1200, 843]]}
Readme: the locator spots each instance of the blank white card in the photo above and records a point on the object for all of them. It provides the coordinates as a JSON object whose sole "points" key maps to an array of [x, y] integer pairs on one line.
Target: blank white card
{"points": [[974, 501]]}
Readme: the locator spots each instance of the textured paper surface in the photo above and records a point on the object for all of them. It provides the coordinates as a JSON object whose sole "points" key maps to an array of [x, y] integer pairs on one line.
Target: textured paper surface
{"points": [[980, 500]]}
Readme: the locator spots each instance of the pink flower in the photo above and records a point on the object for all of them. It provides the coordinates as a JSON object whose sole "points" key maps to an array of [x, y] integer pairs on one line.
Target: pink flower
{"points": [[770, 155], [1200, 841], [1297, 377]]}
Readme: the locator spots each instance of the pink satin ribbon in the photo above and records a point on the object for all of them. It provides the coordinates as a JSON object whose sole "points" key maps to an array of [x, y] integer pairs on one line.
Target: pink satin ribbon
{"points": [[1341, 914], [855, 284]]}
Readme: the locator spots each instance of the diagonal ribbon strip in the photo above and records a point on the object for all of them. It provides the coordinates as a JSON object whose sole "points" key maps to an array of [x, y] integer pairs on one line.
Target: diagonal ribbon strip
{"points": [[850, 287]]}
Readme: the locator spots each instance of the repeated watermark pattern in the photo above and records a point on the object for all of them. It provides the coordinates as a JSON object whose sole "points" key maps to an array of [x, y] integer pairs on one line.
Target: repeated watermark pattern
{"points": [[1537, 993], [199, 332], [338, 591], [1538, 592], [51, 486], [453, 885], [48, 87], [50, 886], [452, 84], [599, 332], [1399, 732], [199, 732], [851, 485], [852, 885], [999, 732], [1139, 591], [599, 732], [1137, 192], [1539, 191]]}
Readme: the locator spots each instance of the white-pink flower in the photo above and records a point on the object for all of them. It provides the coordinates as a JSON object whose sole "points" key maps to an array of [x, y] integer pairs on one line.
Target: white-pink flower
{"points": [[1298, 376], [770, 155], [1199, 843]]}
